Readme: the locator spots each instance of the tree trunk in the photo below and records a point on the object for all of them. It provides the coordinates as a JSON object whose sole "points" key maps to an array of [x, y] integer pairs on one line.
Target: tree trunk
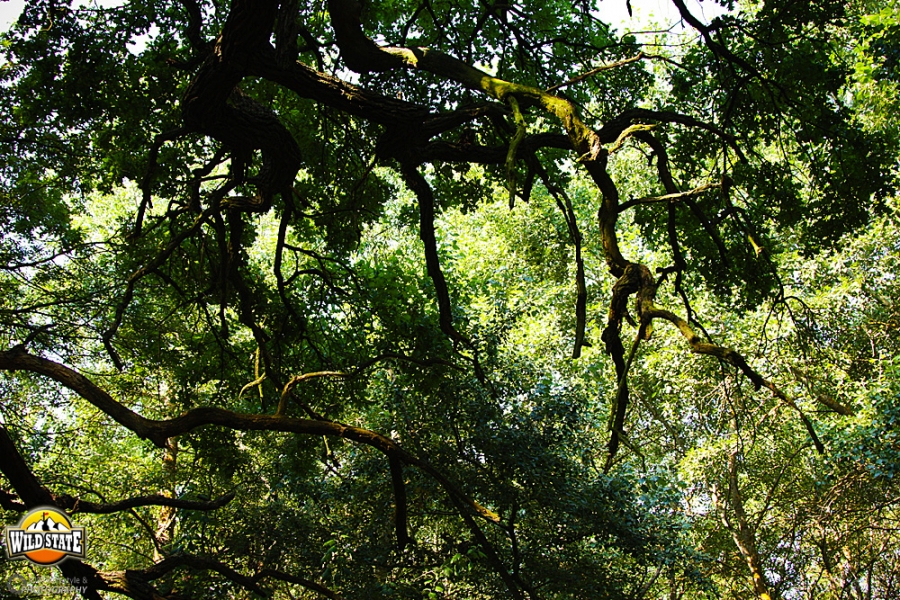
{"points": [[742, 532]]}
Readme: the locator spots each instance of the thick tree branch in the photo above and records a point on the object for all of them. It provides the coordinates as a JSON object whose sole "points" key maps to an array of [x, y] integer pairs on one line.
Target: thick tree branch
{"points": [[363, 55], [158, 432], [215, 106], [338, 94], [194, 31], [636, 279], [33, 494], [74, 505]]}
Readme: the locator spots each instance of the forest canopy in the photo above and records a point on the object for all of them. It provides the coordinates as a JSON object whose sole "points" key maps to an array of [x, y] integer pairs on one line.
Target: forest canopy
{"points": [[451, 299]]}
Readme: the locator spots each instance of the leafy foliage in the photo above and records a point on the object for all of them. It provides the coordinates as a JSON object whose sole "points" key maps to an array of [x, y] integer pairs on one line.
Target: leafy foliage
{"points": [[453, 300]]}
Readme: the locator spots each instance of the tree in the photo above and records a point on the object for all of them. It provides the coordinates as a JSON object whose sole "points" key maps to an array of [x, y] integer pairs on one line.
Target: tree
{"points": [[400, 299]]}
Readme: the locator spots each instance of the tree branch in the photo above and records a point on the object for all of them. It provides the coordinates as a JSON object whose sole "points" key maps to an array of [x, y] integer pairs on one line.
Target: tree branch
{"points": [[425, 196], [159, 431], [153, 264], [74, 505], [674, 197], [735, 359], [146, 182], [400, 509], [289, 386], [33, 494], [600, 69]]}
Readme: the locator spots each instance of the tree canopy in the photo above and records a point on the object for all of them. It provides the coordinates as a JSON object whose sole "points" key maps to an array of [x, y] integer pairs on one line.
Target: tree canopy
{"points": [[451, 299]]}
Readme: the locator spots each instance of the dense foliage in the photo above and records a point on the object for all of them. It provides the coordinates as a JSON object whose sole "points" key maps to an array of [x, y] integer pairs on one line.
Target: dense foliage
{"points": [[447, 299]]}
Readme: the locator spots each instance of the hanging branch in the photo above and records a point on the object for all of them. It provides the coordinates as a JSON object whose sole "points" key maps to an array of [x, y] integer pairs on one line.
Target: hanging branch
{"points": [[147, 181], [513, 148], [425, 196], [400, 508], [635, 280], [564, 203], [153, 264]]}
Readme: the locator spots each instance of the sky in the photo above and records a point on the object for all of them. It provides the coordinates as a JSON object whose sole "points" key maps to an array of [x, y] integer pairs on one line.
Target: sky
{"points": [[9, 12], [646, 12]]}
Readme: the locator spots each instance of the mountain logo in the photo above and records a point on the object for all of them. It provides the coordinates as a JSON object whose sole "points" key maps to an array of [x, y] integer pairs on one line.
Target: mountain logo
{"points": [[45, 536]]}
